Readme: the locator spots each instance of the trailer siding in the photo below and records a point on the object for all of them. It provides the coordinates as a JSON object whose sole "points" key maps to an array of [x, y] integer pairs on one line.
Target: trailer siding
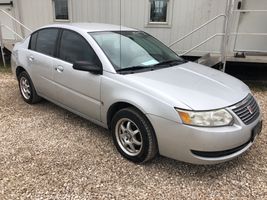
{"points": [[186, 15]]}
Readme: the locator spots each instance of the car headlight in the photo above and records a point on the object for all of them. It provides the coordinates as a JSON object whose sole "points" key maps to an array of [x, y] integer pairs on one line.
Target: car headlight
{"points": [[212, 118]]}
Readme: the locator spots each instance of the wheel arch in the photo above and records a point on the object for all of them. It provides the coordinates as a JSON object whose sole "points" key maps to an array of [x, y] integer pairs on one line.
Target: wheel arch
{"points": [[115, 107], [19, 69]]}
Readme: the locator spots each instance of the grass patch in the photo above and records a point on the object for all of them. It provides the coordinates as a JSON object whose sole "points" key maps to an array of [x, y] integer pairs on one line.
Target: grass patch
{"points": [[6, 69]]}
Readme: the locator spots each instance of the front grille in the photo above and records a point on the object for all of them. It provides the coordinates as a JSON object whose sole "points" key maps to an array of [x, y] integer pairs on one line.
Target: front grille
{"points": [[247, 110]]}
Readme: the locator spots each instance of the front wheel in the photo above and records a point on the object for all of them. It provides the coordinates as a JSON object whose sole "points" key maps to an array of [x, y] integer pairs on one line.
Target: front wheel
{"points": [[27, 89], [133, 135]]}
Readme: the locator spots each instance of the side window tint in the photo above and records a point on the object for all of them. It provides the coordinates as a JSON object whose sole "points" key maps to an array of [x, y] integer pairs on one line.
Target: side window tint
{"points": [[75, 48], [46, 41], [32, 45]]}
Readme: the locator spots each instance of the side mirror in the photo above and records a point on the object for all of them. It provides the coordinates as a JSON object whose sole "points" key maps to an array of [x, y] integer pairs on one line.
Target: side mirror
{"points": [[88, 67]]}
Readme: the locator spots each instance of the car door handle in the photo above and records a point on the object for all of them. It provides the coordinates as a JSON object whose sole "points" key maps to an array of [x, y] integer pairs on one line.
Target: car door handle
{"points": [[31, 58], [59, 69]]}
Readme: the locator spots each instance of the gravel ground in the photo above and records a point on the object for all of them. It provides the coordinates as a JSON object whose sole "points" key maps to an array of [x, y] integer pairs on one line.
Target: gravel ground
{"points": [[49, 153]]}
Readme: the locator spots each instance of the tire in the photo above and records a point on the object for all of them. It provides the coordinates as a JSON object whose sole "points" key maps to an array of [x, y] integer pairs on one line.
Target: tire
{"points": [[134, 136], [27, 89]]}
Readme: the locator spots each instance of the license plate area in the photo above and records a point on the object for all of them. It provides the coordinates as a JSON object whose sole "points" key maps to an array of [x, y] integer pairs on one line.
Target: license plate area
{"points": [[256, 131]]}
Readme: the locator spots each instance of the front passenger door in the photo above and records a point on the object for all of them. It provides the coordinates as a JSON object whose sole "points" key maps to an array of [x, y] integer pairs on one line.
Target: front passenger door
{"points": [[78, 90]]}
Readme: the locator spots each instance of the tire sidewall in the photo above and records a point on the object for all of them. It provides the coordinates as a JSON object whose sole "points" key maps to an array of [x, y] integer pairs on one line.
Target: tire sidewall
{"points": [[140, 123], [25, 75]]}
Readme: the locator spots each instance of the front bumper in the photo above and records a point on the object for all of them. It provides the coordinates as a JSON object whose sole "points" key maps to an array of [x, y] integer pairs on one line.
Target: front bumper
{"points": [[181, 142]]}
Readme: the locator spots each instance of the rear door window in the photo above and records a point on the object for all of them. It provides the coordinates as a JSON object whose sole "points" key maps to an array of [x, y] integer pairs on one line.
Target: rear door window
{"points": [[46, 41]]}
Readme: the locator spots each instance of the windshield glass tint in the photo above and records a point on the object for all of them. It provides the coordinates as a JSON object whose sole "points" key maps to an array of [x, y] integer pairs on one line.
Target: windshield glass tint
{"points": [[128, 49]]}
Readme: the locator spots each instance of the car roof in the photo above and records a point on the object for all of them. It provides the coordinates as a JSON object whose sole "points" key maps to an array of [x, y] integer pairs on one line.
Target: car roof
{"points": [[91, 27]]}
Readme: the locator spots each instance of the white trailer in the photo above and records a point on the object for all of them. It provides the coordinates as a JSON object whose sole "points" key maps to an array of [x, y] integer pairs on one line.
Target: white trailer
{"points": [[216, 30]]}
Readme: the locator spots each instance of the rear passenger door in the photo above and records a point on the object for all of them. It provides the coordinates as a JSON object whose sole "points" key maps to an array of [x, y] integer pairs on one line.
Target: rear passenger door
{"points": [[41, 55], [78, 90]]}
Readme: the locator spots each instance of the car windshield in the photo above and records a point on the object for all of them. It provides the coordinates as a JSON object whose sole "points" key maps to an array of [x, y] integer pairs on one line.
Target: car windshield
{"points": [[135, 51]]}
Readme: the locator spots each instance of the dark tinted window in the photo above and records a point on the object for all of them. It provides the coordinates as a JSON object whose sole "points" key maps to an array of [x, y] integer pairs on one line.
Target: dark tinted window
{"points": [[74, 48], [158, 11], [46, 41], [33, 41], [61, 9]]}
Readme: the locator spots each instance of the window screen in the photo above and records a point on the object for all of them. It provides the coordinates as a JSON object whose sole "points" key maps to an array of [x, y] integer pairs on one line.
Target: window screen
{"points": [[75, 48], [46, 41], [158, 12], [61, 9]]}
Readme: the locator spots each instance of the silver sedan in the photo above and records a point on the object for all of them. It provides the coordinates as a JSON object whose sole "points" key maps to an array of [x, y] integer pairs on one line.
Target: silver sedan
{"points": [[152, 101]]}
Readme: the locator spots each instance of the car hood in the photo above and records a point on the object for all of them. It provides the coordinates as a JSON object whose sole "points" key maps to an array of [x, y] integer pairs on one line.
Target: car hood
{"points": [[196, 86]]}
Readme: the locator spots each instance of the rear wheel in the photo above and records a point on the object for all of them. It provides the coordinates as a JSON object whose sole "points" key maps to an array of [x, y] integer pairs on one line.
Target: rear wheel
{"points": [[27, 89], [133, 135]]}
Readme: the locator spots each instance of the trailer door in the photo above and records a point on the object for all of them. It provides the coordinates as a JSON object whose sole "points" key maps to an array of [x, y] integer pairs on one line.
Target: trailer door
{"points": [[252, 22]]}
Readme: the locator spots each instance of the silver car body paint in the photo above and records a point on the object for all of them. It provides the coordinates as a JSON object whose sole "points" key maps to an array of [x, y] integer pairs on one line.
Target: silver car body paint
{"points": [[156, 93]]}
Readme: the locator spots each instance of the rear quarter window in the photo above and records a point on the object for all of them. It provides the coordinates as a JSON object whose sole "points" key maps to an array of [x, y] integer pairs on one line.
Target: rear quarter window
{"points": [[33, 39]]}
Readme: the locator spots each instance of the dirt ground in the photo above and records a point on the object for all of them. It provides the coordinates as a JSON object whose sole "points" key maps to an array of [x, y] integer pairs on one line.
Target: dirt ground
{"points": [[49, 153]]}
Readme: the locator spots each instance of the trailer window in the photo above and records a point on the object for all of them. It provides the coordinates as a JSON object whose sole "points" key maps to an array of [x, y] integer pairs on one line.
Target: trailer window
{"points": [[61, 10], [158, 11]]}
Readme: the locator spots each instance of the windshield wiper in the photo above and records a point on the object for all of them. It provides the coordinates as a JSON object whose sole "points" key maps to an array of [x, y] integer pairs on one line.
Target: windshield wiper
{"points": [[169, 62], [133, 68], [151, 67]]}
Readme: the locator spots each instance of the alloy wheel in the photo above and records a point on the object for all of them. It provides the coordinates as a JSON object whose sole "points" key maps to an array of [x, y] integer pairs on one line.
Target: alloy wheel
{"points": [[25, 88], [129, 137]]}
